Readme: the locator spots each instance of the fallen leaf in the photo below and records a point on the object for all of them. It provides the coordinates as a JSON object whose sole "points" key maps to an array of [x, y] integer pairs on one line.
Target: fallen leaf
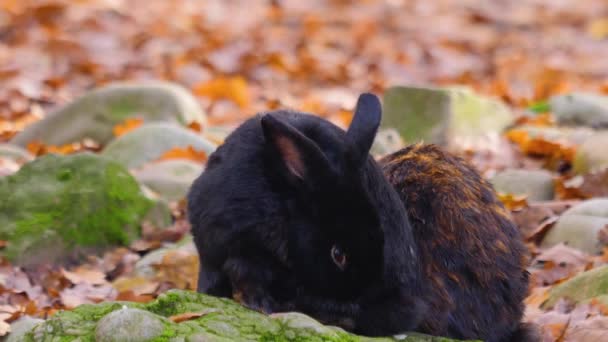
{"points": [[593, 329], [187, 316], [557, 263], [127, 126], [185, 153], [139, 285], [231, 88], [5, 328], [130, 296], [537, 297], [84, 275], [513, 202]]}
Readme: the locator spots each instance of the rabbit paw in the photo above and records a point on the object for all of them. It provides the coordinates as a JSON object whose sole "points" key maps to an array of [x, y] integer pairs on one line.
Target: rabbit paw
{"points": [[259, 302]]}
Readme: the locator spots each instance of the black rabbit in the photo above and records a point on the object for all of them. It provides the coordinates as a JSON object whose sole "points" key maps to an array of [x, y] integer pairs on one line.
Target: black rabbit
{"points": [[293, 214]]}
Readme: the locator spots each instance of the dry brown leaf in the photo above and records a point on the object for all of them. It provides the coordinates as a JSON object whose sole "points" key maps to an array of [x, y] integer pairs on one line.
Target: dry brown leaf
{"points": [[186, 316], [86, 293], [513, 202], [185, 153], [138, 285], [540, 147], [593, 329], [537, 297], [179, 268], [142, 245], [558, 263], [84, 274], [5, 328], [231, 88], [195, 126], [127, 126], [130, 296]]}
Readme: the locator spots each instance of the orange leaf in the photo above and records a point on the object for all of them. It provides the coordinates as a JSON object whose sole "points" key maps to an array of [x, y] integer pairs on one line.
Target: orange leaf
{"points": [[35, 147], [195, 126], [513, 202], [231, 88], [538, 146], [127, 126], [185, 153], [186, 316], [538, 296]]}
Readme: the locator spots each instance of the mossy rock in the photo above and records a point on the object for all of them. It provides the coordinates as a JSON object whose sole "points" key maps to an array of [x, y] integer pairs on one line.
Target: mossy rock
{"points": [[586, 109], [579, 226], [583, 287], [591, 155], [211, 319], [451, 116], [95, 114], [170, 179], [538, 185], [56, 206], [150, 141]]}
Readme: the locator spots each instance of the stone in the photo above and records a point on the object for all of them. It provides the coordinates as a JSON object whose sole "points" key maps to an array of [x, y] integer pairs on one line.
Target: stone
{"points": [[445, 116], [591, 155], [386, 142], [150, 141], [15, 152], [578, 227], [20, 327], [55, 207], [573, 136], [217, 134], [95, 114], [584, 109], [211, 319], [538, 185], [581, 288], [170, 179], [129, 325]]}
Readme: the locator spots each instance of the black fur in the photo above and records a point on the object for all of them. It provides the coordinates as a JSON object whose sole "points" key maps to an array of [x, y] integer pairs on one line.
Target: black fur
{"points": [[286, 188]]}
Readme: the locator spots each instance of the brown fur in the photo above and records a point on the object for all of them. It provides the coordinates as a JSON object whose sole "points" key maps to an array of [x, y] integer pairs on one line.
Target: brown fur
{"points": [[472, 254]]}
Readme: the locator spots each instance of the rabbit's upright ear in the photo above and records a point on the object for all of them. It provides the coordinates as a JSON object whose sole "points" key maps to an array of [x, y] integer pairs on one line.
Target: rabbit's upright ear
{"points": [[364, 126], [300, 155]]}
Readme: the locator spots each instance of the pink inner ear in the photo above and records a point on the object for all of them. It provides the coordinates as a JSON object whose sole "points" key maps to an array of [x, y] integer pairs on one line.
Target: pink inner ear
{"points": [[291, 156]]}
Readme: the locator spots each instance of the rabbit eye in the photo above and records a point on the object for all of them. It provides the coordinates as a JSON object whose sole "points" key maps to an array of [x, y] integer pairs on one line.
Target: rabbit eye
{"points": [[338, 256]]}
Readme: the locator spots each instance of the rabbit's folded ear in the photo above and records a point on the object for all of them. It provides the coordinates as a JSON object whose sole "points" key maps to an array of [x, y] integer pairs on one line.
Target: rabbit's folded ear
{"points": [[300, 155], [364, 126]]}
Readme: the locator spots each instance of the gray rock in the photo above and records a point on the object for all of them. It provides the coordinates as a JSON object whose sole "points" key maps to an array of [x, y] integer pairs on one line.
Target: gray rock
{"points": [[171, 179], [581, 109], [583, 287], [15, 152], [95, 114], [446, 116], [387, 141], [56, 206], [21, 326], [217, 134], [538, 185], [569, 135], [150, 141], [129, 325], [592, 155], [578, 227]]}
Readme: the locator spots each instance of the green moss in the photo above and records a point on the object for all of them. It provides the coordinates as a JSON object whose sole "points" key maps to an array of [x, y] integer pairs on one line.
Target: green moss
{"points": [[76, 201], [221, 320], [585, 286]]}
